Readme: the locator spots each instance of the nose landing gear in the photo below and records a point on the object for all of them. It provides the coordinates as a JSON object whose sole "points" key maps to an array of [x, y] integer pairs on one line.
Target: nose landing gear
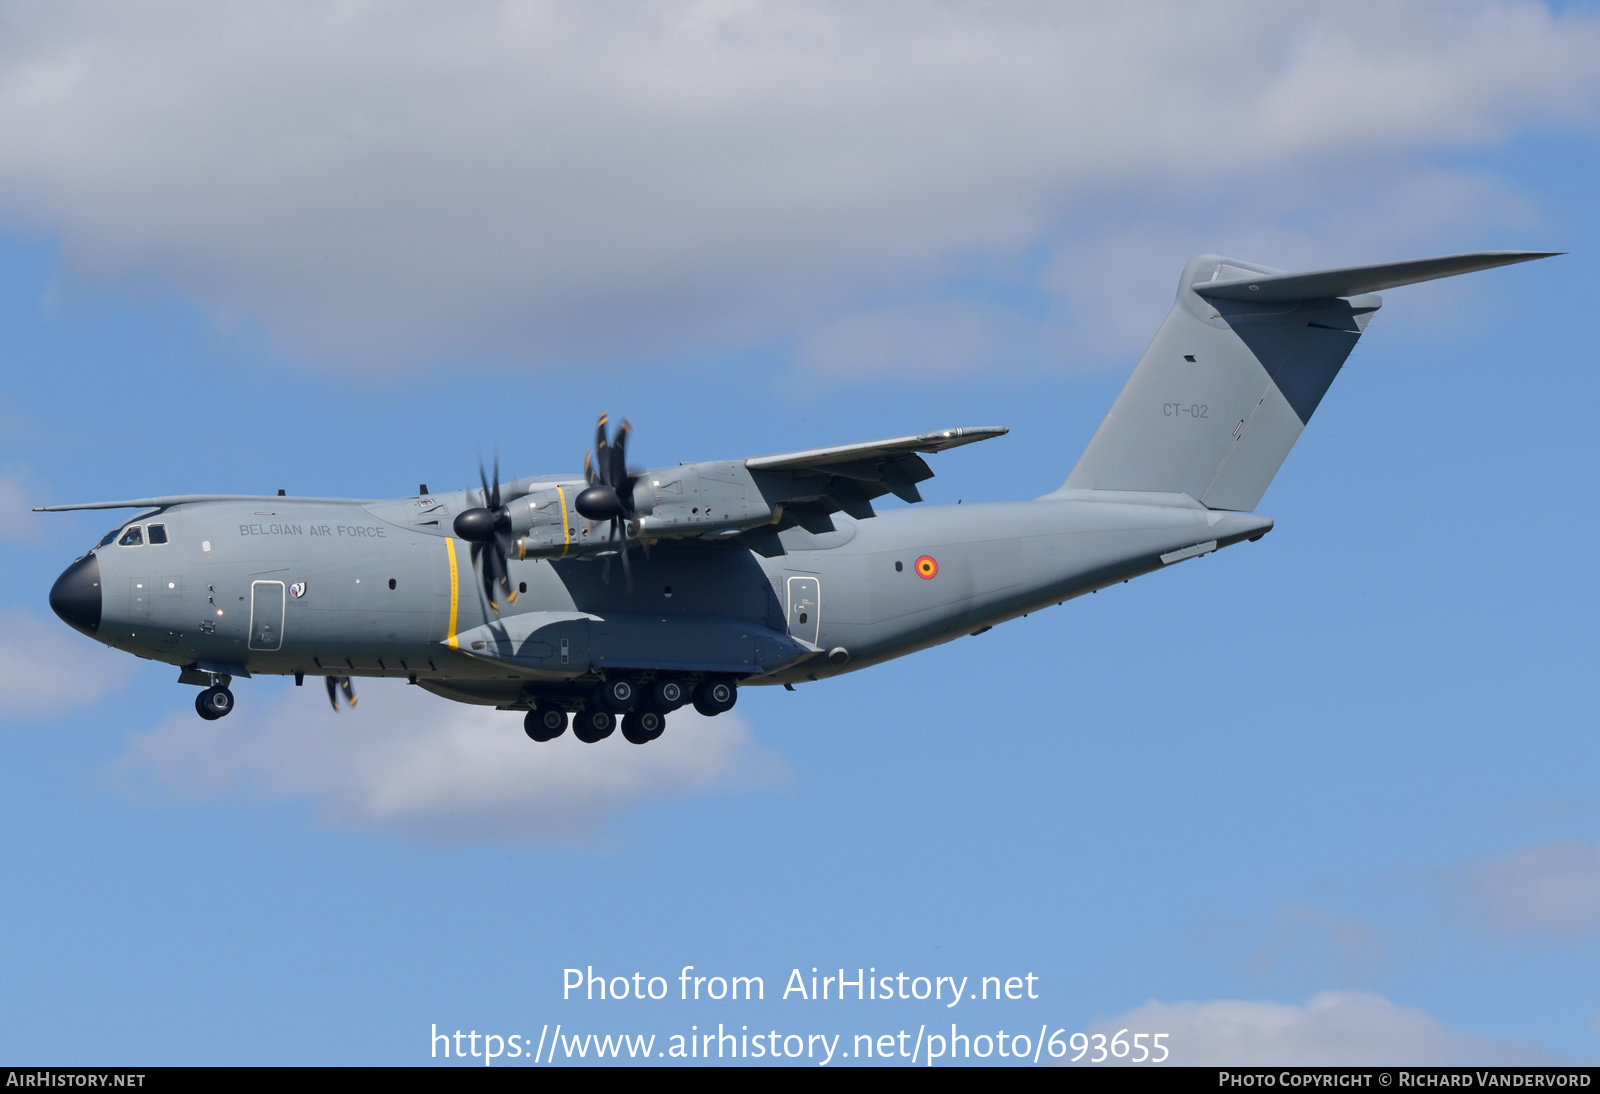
{"points": [[213, 703]]}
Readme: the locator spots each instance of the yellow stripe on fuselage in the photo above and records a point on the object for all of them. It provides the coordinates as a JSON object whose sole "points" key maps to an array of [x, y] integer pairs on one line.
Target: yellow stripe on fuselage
{"points": [[566, 529], [455, 592]]}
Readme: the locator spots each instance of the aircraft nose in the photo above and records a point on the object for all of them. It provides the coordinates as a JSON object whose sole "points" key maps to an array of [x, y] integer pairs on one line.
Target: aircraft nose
{"points": [[75, 596]]}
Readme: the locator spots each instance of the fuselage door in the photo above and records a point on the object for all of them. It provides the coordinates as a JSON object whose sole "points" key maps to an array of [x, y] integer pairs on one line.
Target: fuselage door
{"points": [[805, 608], [266, 615]]}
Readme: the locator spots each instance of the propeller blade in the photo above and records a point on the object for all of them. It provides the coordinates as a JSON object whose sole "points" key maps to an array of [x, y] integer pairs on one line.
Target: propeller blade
{"points": [[349, 692], [488, 529], [333, 692], [602, 451], [504, 540], [611, 537], [619, 458], [494, 574]]}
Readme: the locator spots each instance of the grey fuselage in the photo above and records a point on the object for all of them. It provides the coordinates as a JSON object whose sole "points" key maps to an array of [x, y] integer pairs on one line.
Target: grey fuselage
{"points": [[351, 588]]}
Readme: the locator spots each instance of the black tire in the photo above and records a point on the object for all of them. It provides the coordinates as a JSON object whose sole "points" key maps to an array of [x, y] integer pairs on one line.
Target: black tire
{"points": [[617, 694], [715, 697], [643, 726], [666, 696], [214, 703], [591, 726], [545, 725], [202, 706]]}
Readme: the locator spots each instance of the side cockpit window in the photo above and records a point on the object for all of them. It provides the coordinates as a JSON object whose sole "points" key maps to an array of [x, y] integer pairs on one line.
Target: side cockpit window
{"points": [[158, 533], [133, 537]]}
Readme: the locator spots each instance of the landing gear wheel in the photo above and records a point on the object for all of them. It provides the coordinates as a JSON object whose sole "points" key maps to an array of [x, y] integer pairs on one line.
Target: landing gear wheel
{"points": [[642, 727], [590, 726], [213, 703], [545, 725], [715, 697], [616, 695], [667, 696]]}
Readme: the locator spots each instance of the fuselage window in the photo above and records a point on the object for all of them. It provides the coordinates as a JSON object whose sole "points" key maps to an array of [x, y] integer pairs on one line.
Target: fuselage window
{"points": [[158, 533], [133, 537]]}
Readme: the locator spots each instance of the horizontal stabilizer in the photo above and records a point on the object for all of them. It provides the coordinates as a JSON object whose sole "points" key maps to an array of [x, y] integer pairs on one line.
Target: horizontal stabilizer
{"points": [[1236, 283]]}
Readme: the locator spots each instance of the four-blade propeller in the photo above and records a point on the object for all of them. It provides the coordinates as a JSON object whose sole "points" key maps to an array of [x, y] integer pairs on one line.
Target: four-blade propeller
{"points": [[609, 496], [607, 499], [488, 529]]}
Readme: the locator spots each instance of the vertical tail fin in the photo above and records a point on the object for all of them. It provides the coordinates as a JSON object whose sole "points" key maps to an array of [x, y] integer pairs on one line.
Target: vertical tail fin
{"points": [[1236, 371]]}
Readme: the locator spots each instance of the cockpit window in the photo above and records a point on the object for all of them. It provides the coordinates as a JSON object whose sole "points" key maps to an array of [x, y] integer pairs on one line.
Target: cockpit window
{"points": [[158, 533], [107, 538], [133, 537]]}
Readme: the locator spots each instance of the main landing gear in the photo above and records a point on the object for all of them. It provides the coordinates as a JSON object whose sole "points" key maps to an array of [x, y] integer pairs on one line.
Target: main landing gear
{"points": [[644, 726], [545, 725], [213, 703], [593, 726], [642, 708]]}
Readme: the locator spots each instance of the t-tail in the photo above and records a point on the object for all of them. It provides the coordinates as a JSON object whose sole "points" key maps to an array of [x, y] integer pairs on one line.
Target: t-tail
{"points": [[1237, 370]]}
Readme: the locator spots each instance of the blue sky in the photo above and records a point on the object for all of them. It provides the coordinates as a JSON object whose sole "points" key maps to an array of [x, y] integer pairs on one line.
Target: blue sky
{"points": [[1325, 796]]}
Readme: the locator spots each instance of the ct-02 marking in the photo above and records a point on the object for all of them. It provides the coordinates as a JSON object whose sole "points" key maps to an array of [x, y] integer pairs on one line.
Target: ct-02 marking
{"points": [[1179, 410]]}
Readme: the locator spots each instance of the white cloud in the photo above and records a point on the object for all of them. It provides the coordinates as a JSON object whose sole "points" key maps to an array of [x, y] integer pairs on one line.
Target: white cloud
{"points": [[408, 762], [382, 181], [48, 668], [1550, 888], [1333, 1029]]}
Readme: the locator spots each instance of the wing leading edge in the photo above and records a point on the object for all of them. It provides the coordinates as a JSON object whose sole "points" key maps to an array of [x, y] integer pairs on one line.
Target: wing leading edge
{"points": [[811, 485], [818, 458]]}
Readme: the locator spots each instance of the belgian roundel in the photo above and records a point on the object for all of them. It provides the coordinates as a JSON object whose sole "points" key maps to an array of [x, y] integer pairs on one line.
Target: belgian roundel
{"points": [[927, 568]]}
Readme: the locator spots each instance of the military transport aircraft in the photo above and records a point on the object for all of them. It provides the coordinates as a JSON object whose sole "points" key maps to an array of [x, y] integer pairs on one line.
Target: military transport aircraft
{"points": [[772, 570]]}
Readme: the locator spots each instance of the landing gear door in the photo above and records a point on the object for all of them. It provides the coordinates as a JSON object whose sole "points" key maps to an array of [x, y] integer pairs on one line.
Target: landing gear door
{"points": [[805, 608], [266, 615]]}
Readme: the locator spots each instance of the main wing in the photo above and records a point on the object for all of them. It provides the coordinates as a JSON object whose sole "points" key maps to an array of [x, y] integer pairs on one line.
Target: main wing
{"points": [[813, 484]]}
